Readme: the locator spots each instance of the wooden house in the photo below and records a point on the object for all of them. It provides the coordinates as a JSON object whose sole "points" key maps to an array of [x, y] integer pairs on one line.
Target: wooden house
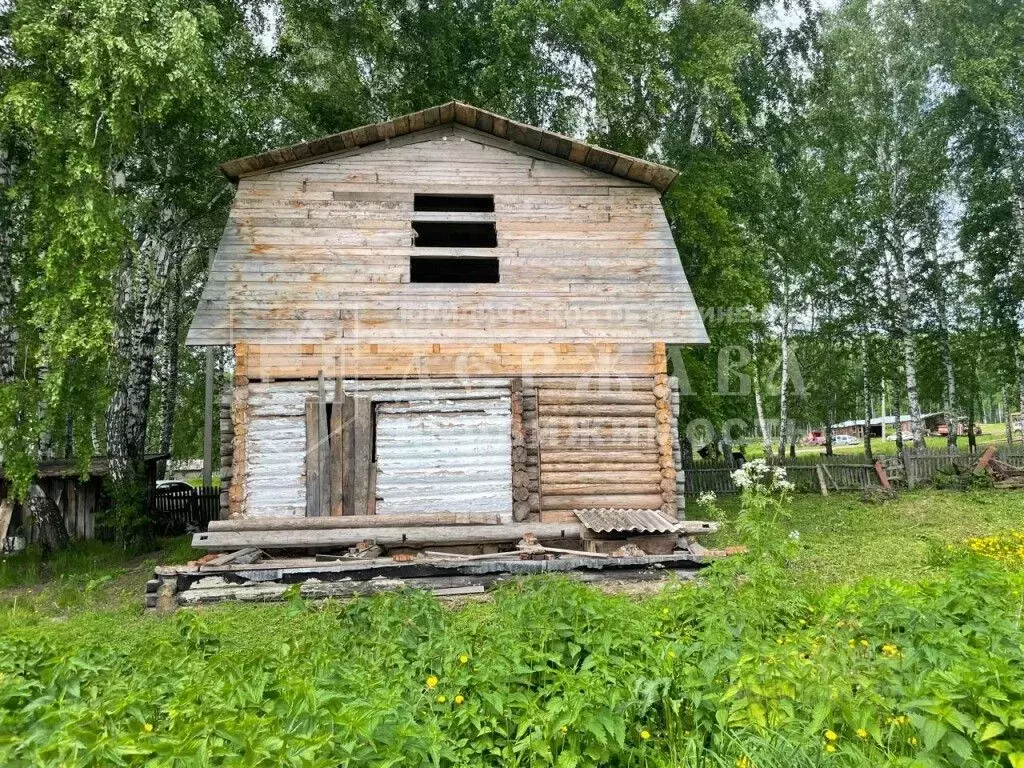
{"points": [[447, 314]]}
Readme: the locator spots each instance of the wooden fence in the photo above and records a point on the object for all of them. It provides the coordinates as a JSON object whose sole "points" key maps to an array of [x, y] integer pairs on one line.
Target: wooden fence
{"points": [[915, 467], [174, 512]]}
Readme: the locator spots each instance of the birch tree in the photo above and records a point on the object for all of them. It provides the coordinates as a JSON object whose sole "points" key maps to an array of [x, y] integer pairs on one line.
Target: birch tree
{"points": [[125, 108]]}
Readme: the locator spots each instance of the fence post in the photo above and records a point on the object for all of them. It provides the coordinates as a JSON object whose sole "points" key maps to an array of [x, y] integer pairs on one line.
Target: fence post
{"points": [[908, 468]]}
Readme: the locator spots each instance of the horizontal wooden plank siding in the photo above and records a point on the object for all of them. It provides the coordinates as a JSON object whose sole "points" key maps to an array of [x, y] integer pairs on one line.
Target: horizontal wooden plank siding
{"points": [[319, 254]]}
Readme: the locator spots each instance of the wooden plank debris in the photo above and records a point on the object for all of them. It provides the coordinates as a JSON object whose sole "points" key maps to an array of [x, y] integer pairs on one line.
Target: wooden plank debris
{"points": [[241, 557]]}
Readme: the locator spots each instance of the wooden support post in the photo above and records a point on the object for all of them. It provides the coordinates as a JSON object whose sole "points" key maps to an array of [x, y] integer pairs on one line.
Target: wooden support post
{"points": [[323, 450], [208, 421], [665, 427], [363, 423], [312, 460], [348, 442], [337, 451]]}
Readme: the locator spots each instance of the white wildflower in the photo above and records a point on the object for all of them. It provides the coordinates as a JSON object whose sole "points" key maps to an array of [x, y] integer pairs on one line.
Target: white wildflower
{"points": [[794, 535], [785, 485], [707, 498], [741, 479]]}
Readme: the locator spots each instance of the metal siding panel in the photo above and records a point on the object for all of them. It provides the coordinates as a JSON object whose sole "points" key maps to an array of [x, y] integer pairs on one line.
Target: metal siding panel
{"points": [[624, 520], [445, 456], [276, 476]]}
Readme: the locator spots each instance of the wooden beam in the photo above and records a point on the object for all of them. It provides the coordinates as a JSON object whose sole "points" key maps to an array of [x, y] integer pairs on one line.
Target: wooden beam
{"points": [[356, 521], [389, 537]]}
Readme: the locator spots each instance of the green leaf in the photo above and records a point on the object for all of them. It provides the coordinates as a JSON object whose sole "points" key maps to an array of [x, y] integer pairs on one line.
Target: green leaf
{"points": [[992, 730]]}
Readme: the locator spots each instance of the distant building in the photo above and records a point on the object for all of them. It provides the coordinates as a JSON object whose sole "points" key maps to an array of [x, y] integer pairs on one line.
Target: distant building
{"points": [[855, 427]]}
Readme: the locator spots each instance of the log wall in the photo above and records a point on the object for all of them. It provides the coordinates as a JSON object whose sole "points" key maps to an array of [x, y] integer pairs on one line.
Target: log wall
{"points": [[600, 444]]}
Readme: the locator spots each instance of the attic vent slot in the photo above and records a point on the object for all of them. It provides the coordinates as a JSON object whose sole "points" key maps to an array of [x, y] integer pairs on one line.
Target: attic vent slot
{"points": [[427, 269], [454, 203], [455, 234]]}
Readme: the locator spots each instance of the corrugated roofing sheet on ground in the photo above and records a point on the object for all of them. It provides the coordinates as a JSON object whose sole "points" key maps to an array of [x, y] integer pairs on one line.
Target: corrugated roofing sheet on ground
{"points": [[623, 520]]}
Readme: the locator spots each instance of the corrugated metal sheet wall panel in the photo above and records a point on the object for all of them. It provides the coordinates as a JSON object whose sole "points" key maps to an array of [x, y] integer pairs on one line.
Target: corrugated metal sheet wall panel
{"points": [[445, 456]]}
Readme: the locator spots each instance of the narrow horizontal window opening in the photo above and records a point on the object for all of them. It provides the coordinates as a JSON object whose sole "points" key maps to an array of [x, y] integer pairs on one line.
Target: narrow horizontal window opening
{"points": [[454, 203], [426, 269], [455, 234]]}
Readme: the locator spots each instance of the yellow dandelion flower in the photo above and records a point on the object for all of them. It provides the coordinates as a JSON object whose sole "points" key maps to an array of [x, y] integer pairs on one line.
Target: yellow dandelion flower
{"points": [[861, 733], [459, 699], [831, 735], [664, 611], [864, 643], [148, 727], [645, 735], [830, 747], [852, 643], [912, 741], [431, 682], [564, 730], [464, 659], [441, 699]]}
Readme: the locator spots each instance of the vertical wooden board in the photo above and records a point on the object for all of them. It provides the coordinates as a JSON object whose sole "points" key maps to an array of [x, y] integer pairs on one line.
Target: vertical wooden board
{"points": [[337, 450], [323, 451], [363, 450], [348, 442], [312, 459], [371, 501]]}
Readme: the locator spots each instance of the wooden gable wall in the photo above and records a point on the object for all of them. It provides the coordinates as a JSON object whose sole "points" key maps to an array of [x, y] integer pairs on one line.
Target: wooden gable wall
{"points": [[313, 272]]}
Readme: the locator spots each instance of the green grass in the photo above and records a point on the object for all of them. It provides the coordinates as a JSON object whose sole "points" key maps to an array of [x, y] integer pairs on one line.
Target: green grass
{"points": [[90, 575], [845, 539], [874, 621], [991, 433]]}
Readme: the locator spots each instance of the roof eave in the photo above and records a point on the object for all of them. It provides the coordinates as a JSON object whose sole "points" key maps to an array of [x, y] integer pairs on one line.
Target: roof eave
{"points": [[562, 147]]}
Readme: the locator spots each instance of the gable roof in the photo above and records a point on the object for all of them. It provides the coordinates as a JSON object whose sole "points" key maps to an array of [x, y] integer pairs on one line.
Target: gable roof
{"points": [[457, 112]]}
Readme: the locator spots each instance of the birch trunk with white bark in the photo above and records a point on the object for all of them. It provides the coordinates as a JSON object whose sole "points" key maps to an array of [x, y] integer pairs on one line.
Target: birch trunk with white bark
{"points": [[8, 333], [762, 422], [949, 404], [906, 330], [784, 374], [866, 391], [139, 302], [172, 329]]}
